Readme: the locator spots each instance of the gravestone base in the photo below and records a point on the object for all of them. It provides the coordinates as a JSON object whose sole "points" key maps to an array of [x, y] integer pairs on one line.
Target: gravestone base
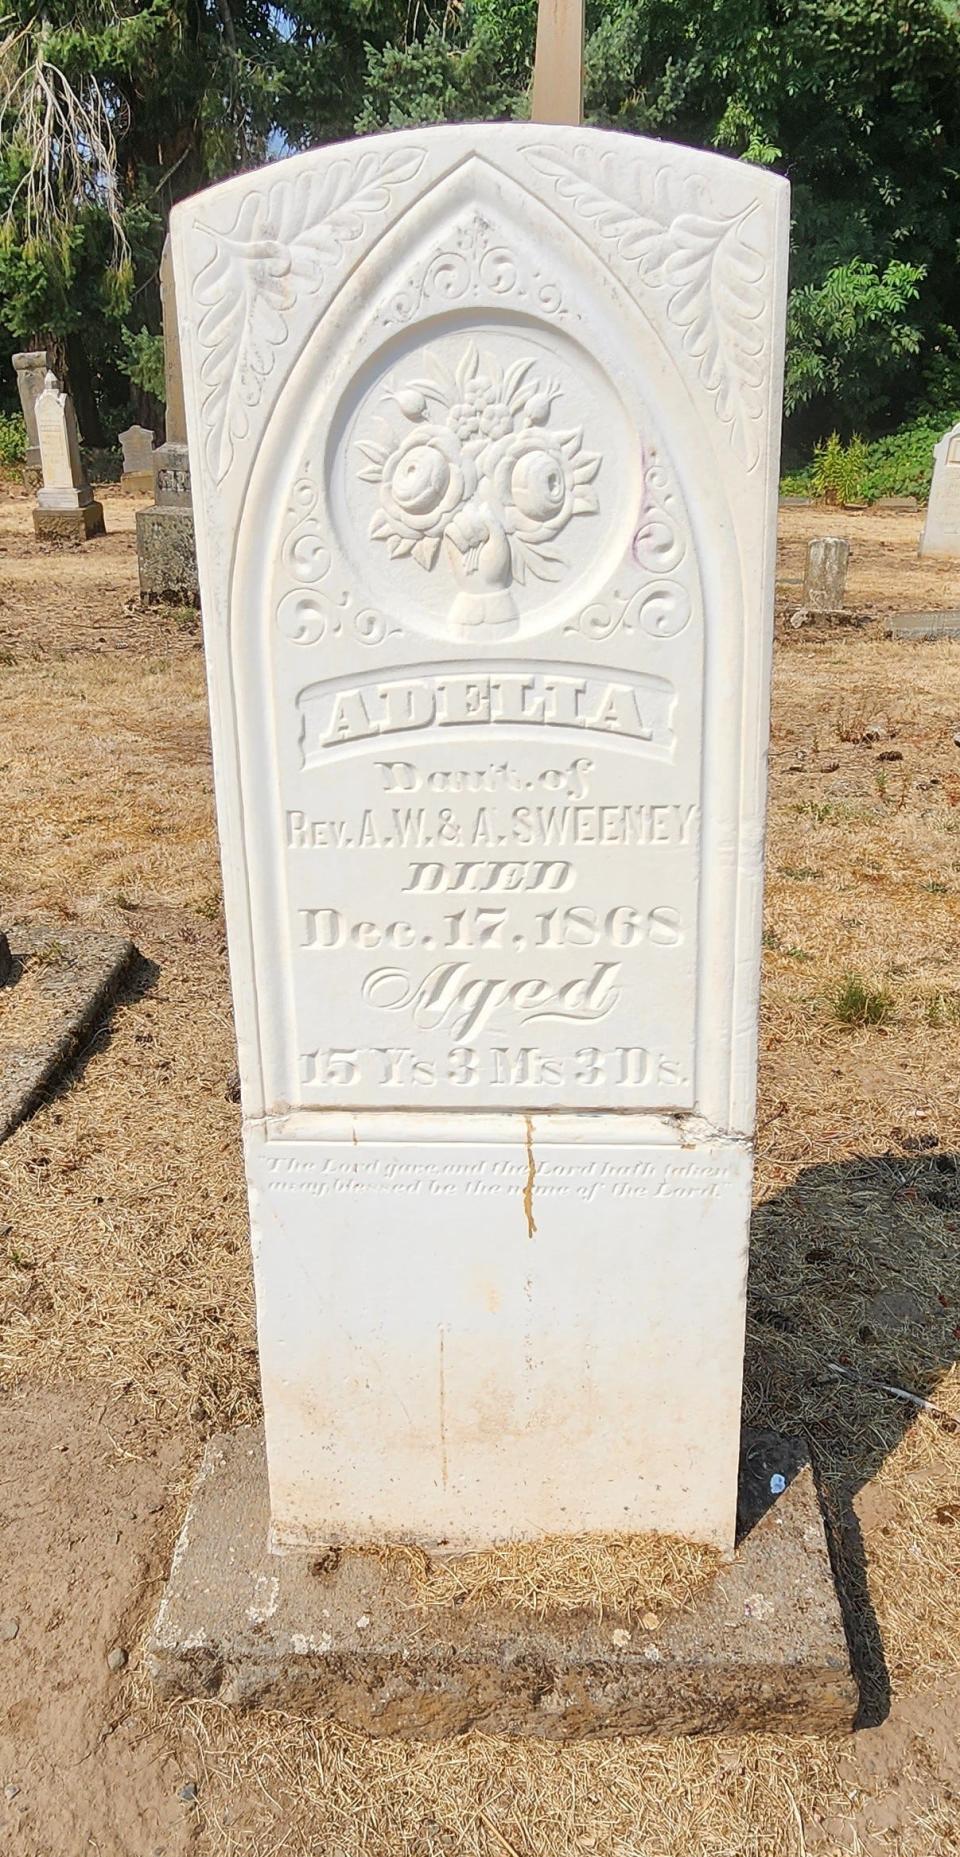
{"points": [[139, 483], [69, 525], [167, 556], [761, 1648], [926, 625]]}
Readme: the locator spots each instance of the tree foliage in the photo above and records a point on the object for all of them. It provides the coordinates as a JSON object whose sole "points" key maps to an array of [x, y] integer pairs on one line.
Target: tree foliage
{"points": [[857, 101]]}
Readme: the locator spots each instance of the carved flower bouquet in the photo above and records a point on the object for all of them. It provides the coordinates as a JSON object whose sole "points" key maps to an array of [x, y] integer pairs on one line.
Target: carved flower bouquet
{"points": [[481, 472]]}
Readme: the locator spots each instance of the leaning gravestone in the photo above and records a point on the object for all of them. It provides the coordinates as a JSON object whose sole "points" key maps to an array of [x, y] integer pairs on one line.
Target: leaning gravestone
{"points": [[137, 446], [30, 367], [166, 547], [66, 509], [941, 530], [483, 425]]}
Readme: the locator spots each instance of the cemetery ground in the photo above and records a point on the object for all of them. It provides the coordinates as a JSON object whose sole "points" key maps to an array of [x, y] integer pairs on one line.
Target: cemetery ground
{"points": [[126, 1306]]}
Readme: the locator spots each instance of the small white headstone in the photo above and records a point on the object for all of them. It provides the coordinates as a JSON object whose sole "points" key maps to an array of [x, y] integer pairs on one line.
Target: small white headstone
{"points": [[137, 444], [941, 530], [825, 574], [65, 485], [483, 426]]}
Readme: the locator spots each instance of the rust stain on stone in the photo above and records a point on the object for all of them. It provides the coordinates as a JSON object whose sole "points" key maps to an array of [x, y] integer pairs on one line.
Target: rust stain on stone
{"points": [[531, 1177], [444, 1472]]}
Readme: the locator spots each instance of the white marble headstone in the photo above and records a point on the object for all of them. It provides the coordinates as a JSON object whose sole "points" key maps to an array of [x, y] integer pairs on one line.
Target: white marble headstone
{"points": [[484, 431], [137, 445], [65, 484], [941, 529]]}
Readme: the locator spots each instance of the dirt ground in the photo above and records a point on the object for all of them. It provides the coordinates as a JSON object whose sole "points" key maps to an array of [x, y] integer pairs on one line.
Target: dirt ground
{"points": [[126, 1331]]}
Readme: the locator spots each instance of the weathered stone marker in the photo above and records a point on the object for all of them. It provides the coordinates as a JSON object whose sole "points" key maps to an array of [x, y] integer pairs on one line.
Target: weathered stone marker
{"points": [[30, 368], [941, 529], [484, 435], [166, 548], [137, 446], [825, 574], [66, 509]]}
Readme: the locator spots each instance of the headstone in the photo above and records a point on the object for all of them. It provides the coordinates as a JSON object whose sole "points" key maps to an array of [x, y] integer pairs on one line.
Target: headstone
{"points": [[482, 425], [926, 624], [941, 530], [30, 368], [66, 510], [137, 444], [166, 545], [825, 574]]}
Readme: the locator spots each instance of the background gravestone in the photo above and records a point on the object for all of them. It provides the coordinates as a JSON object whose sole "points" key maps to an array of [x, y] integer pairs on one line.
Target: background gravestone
{"points": [[825, 574], [941, 529], [137, 445], [31, 368], [166, 547], [66, 509]]}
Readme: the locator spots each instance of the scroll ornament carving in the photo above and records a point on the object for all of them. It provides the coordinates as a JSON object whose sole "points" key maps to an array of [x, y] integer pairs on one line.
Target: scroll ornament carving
{"points": [[710, 275], [471, 263], [285, 240], [314, 609], [481, 472], [661, 606]]}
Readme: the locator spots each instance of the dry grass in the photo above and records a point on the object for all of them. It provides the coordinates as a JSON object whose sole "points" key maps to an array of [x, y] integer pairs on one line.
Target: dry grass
{"points": [[125, 1256], [629, 1575]]}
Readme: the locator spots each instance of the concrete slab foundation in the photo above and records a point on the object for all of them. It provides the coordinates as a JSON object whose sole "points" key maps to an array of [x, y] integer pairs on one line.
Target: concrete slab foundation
{"points": [[762, 1648], [925, 625], [167, 555], [69, 525], [60, 982]]}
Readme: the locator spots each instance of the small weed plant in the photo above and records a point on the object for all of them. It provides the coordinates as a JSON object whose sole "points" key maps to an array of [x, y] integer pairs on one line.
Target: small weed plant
{"points": [[857, 1002]]}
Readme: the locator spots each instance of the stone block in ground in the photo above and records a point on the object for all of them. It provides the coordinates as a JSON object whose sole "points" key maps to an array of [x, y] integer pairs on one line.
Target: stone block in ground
{"points": [[62, 981], [167, 556], [760, 1648], [69, 525], [926, 625]]}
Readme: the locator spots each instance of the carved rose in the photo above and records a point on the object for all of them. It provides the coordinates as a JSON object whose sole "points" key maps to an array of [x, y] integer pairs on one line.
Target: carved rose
{"points": [[483, 474], [424, 481]]}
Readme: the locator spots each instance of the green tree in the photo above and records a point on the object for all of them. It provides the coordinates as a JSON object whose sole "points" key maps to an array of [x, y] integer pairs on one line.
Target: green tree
{"points": [[104, 122]]}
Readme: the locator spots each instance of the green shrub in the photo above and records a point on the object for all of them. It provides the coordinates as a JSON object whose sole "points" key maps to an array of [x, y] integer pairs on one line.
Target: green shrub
{"points": [[13, 439], [142, 361], [838, 470], [900, 465]]}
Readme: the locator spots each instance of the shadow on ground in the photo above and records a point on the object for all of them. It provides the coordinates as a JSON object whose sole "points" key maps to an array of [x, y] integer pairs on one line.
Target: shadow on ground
{"points": [[854, 1287]]}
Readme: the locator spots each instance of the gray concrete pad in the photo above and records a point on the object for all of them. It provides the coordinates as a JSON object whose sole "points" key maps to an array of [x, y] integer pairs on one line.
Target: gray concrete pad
{"points": [[763, 1647], [61, 981], [925, 625]]}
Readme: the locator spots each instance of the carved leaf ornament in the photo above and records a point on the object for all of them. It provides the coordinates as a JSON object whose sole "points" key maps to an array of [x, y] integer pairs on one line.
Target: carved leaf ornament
{"points": [[710, 275], [283, 243]]}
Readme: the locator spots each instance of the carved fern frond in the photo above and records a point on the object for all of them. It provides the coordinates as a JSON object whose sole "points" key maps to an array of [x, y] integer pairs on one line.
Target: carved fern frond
{"points": [[285, 240], [711, 278]]}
